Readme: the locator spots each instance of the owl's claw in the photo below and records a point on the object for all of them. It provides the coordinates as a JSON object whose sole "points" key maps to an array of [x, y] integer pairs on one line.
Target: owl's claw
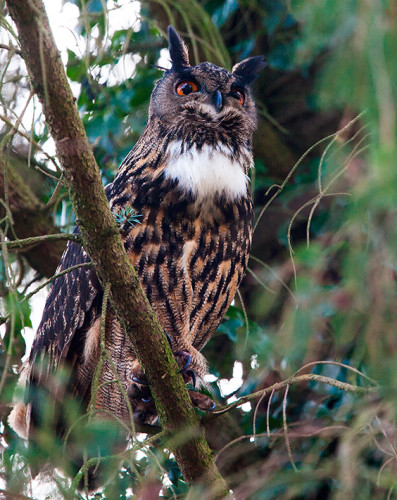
{"points": [[188, 375], [139, 381], [213, 407], [202, 401], [139, 390], [169, 339], [192, 374], [183, 356]]}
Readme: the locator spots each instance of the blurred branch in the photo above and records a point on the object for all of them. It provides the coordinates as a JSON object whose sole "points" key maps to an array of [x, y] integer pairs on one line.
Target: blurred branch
{"points": [[14, 496], [30, 219], [103, 243], [310, 377], [158, 43], [11, 49], [34, 143]]}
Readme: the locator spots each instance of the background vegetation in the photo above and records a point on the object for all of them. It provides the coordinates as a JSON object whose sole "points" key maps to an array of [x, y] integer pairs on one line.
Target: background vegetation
{"points": [[320, 293]]}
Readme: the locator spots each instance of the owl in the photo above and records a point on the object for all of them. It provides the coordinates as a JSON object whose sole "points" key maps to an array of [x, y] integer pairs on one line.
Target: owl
{"points": [[186, 180]]}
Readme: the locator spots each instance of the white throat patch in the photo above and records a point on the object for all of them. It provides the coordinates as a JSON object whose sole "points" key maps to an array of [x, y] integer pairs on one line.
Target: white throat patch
{"points": [[207, 172]]}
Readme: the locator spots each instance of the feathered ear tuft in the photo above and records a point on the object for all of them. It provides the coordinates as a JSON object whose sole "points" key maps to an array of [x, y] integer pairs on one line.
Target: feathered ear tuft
{"points": [[178, 50], [248, 69]]}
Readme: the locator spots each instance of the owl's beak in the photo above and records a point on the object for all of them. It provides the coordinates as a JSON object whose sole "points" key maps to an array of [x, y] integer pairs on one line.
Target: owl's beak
{"points": [[217, 100]]}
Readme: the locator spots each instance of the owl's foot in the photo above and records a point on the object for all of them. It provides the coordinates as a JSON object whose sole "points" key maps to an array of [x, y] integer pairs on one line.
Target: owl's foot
{"points": [[202, 401], [183, 360], [145, 410], [139, 391]]}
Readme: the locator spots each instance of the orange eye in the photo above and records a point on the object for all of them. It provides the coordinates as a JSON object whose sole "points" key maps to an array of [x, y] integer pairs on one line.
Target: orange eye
{"points": [[239, 95], [186, 88]]}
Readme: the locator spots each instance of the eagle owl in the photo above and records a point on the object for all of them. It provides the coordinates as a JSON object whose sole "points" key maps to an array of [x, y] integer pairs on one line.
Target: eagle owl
{"points": [[187, 179]]}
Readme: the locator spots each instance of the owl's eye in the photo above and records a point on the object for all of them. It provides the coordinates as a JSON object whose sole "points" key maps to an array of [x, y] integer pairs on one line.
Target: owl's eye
{"points": [[186, 88], [238, 94]]}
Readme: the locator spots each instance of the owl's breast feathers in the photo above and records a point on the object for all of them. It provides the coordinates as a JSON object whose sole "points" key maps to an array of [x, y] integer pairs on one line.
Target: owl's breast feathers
{"points": [[192, 245]]}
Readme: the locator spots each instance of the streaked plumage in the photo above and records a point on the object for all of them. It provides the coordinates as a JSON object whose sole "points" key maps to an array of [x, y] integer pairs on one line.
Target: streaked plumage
{"points": [[187, 178]]}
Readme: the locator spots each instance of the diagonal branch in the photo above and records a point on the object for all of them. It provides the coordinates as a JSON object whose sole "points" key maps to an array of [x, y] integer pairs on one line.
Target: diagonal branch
{"points": [[102, 241]]}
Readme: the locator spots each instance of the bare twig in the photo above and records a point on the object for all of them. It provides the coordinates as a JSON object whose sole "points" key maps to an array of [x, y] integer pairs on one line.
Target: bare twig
{"points": [[337, 363], [53, 278], [36, 144], [310, 377], [279, 434], [280, 187], [256, 411], [268, 413], [10, 48], [285, 428]]}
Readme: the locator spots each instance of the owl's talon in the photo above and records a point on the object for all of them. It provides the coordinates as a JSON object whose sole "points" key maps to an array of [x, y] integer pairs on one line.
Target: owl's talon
{"points": [[184, 356], [139, 381], [210, 409], [202, 401], [187, 364], [192, 373], [169, 339]]}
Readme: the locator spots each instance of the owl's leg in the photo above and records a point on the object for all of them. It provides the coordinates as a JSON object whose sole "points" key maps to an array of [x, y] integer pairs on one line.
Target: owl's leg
{"points": [[183, 359], [186, 358], [139, 390]]}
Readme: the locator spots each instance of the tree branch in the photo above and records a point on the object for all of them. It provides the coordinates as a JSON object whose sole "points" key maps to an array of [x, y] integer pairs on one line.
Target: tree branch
{"points": [[30, 219], [309, 377], [102, 241], [36, 240]]}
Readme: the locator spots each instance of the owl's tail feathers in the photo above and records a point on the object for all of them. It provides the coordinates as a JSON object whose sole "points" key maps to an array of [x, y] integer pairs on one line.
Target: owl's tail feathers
{"points": [[19, 418]]}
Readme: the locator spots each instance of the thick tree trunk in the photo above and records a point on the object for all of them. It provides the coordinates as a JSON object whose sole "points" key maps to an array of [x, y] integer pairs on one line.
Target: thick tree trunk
{"points": [[103, 243]]}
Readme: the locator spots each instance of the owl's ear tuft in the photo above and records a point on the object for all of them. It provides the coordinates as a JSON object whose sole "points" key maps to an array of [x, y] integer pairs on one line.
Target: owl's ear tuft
{"points": [[249, 68], [178, 49]]}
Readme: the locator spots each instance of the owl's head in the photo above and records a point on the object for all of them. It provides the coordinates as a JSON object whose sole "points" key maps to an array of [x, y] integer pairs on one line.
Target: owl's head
{"points": [[205, 99]]}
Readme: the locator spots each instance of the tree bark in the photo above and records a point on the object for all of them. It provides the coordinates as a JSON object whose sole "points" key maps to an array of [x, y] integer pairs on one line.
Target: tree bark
{"points": [[30, 218], [103, 244]]}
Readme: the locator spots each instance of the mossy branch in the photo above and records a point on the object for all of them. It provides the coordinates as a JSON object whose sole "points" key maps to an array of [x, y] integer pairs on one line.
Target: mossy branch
{"points": [[102, 242], [36, 240]]}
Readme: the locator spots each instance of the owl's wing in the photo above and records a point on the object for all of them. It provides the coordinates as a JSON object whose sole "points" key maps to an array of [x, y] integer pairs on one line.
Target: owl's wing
{"points": [[72, 306]]}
